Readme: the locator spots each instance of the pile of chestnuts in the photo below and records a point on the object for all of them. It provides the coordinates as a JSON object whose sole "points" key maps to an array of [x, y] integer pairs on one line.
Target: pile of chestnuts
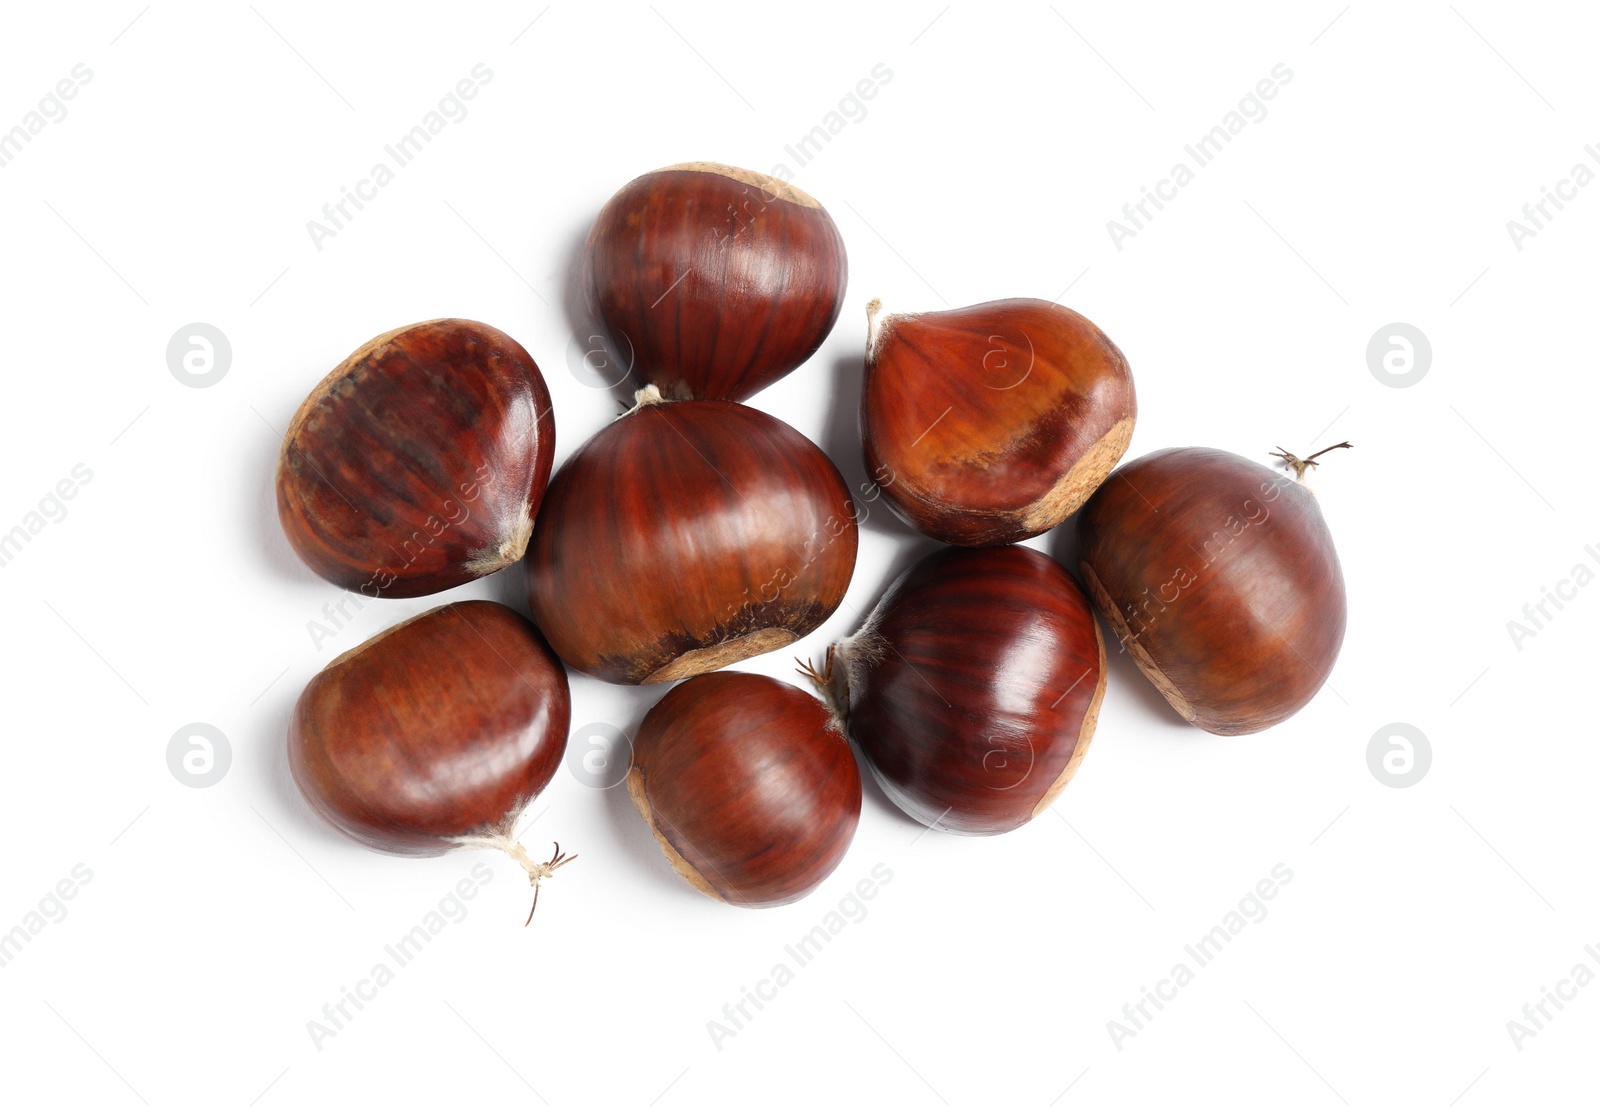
{"points": [[696, 531]]}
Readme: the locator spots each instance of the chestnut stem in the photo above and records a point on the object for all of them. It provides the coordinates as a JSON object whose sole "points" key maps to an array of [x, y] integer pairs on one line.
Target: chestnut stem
{"points": [[1299, 466], [537, 871], [826, 685], [874, 326], [649, 396]]}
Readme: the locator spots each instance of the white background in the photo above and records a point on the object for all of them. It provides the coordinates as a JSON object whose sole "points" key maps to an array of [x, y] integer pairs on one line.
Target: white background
{"points": [[1377, 189]]}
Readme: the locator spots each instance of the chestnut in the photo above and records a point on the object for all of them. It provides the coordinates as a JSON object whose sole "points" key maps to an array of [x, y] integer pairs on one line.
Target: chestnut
{"points": [[1219, 576], [748, 785], [418, 463], [990, 424], [435, 734], [974, 687], [686, 536], [714, 281]]}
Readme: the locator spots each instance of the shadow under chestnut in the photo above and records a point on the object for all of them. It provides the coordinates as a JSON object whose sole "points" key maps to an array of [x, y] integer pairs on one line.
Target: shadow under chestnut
{"points": [[1122, 673], [585, 326], [841, 440]]}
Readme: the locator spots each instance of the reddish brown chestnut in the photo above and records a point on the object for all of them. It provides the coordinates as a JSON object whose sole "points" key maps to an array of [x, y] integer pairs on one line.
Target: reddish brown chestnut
{"points": [[1219, 576], [974, 687], [418, 464], [749, 786], [435, 733], [713, 281], [686, 536], [990, 424]]}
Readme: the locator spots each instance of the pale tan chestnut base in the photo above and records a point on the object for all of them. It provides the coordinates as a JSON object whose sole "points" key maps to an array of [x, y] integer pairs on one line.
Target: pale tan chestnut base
{"points": [[1091, 719], [1066, 495], [714, 657], [1074, 488], [351, 361], [1141, 656], [772, 187], [685, 870]]}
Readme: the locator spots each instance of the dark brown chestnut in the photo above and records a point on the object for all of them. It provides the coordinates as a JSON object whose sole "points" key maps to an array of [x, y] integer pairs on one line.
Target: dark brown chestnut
{"points": [[713, 281], [435, 734], [749, 786], [1219, 576], [418, 464], [974, 687], [990, 424], [686, 536]]}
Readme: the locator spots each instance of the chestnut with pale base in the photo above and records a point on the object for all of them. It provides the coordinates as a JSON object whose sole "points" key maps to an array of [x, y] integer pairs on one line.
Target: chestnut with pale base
{"points": [[714, 281], [974, 687], [990, 424], [686, 536], [435, 734], [418, 463], [749, 786], [1219, 577]]}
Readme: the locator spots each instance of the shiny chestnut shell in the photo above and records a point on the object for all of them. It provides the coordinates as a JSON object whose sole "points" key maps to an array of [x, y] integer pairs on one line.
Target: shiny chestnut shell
{"points": [[990, 424], [974, 687], [686, 536], [712, 281], [748, 785], [1219, 576], [439, 728], [419, 463]]}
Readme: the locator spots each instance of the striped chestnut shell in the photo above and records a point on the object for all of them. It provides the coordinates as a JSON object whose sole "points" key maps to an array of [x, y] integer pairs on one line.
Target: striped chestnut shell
{"points": [[419, 462], [1219, 576], [713, 282], [990, 424], [748, 785], [974, 687], [686, 536]]}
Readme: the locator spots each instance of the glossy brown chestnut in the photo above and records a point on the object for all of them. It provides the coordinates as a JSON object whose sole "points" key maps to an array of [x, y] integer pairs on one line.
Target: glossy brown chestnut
{"points": [[1219, 576], [749, 786], [974, 687], [686, 536], [418, 464], [990, 424], [435, 733], [711, 281]]}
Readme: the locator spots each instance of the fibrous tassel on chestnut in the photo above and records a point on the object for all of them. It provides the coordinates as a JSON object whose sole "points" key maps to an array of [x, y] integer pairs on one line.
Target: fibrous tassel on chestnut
{"points": [[435, 734], [990, 424], [713, 282], [749, 786], [419, 462], [974, 687], [686, 536], [1220, 577]]}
